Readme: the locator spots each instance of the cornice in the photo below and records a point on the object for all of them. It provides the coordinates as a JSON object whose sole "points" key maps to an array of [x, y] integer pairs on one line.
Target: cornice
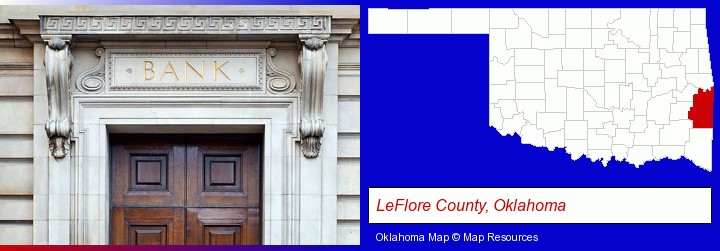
{"points": [[171, 25]]}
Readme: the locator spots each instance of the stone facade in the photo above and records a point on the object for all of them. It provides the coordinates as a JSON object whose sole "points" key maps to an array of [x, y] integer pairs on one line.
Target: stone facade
{"points": [[57, 89]]}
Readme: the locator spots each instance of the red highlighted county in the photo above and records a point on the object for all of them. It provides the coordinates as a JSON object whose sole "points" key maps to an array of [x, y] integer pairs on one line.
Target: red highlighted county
{"points": [[701, 113]]}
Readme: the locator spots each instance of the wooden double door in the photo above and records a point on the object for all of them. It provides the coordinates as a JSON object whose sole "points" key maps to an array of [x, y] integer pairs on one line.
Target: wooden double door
{"points": [[185, 189]]}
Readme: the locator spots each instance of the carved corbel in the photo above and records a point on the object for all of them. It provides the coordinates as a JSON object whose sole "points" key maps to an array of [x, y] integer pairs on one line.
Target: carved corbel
{"points": [[58, 63], [313, 60]]}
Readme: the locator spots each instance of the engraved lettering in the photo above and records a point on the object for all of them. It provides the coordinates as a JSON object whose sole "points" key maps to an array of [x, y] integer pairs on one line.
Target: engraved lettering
{"points": [[172, 70], [150, 69], [216, 69], [202, 67], [242, 70]]}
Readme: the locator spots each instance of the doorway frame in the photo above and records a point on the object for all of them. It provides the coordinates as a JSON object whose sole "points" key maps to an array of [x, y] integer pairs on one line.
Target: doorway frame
{"points": [[96, 116], [232, 144]]}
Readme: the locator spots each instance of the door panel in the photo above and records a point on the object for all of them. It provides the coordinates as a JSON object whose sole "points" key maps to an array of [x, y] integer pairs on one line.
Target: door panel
{"points": [[180, 189], [223, 172], [223, 226], [148, 226], [148, 172]]}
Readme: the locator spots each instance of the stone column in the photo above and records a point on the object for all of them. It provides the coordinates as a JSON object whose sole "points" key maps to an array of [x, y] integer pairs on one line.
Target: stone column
{"points": [[329, 155], [58, 63], [313, 61]]}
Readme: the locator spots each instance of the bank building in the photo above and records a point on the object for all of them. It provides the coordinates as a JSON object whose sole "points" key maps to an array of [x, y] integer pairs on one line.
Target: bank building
{"points": [[179, 125]]}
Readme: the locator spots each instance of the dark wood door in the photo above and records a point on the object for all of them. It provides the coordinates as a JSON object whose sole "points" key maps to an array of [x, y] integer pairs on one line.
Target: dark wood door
{"points": [[185, 189]]}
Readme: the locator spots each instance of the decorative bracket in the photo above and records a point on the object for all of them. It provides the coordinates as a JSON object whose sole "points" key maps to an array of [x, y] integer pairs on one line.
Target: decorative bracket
{"points": [[58, 63], [313, 60], [278, 81], [93, 80]]}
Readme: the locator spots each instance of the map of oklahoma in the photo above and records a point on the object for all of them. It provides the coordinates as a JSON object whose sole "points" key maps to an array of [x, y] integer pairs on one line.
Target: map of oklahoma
{"points": [[634, 85]]}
